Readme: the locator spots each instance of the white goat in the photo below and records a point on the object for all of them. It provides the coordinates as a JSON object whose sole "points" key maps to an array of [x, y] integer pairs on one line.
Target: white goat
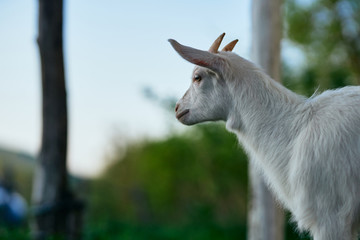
{"points": [[307, 149]]}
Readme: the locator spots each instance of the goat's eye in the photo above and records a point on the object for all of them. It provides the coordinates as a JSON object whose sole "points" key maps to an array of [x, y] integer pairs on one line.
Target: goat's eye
{"points": [[197, 78]]}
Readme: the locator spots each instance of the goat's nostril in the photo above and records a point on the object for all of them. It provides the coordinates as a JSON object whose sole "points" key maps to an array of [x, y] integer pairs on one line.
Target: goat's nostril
{"points": [[176, 107]]}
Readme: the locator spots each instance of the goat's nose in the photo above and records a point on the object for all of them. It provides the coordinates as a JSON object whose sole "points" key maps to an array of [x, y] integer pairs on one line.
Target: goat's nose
{"points": [[177, 107]]}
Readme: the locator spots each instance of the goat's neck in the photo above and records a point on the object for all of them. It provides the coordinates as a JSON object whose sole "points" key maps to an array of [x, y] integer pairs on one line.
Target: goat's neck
{"points": [[264, 115]]}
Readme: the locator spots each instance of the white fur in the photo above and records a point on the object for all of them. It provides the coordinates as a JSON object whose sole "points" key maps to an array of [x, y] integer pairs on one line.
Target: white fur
{"points": [[307, 149]]}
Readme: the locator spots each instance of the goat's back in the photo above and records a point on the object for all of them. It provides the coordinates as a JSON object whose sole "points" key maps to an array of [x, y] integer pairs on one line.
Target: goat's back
{"points": [[325, 165]]}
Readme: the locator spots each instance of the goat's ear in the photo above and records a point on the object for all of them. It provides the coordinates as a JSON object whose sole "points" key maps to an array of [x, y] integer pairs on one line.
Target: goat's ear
{"points": [[198, 57]]}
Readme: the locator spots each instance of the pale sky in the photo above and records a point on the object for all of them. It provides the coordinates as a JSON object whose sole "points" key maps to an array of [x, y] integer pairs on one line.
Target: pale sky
{"points": [[113, 50]]}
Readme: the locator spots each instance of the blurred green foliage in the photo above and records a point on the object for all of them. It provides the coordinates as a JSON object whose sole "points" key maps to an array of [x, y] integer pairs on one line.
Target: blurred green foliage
{"points": [[328, 33], [8, 233], [195, 182]]}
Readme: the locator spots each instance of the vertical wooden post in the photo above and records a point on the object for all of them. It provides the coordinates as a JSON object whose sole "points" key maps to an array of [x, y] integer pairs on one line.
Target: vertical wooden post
{"points": [[266, 220], [52, 200]]}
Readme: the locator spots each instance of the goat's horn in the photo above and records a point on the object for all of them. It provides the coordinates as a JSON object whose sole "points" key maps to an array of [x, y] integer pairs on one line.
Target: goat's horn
{"points": [[230, 46], [215, 46]]}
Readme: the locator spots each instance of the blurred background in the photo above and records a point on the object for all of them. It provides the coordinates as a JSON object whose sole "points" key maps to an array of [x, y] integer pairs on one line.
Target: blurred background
{"points": [[141, 173]]}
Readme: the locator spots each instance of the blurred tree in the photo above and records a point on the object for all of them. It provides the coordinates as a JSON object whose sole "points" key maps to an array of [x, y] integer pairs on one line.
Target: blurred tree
{"points": [[328, 32], [266, 219], [54, 204]]}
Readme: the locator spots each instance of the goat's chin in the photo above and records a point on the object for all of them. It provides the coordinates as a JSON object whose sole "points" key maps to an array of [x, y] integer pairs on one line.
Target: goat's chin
{"points": [[187, 120], [187, 117], [187, 123]]}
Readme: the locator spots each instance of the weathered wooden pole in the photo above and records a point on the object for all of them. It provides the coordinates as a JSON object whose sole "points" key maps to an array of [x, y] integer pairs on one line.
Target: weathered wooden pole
{"points": [[265, 220], [53, 202]]}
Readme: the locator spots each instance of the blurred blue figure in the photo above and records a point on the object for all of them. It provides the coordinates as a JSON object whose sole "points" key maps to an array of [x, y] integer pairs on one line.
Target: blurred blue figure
{"points": [[13, 208]]}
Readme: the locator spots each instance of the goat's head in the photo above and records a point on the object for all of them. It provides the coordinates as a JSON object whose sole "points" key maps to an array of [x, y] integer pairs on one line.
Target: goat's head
{"points": [[208, 97]]}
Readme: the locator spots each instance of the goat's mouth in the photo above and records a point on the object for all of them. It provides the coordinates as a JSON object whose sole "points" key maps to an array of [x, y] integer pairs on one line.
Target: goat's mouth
{"points": [[183, 113]]}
